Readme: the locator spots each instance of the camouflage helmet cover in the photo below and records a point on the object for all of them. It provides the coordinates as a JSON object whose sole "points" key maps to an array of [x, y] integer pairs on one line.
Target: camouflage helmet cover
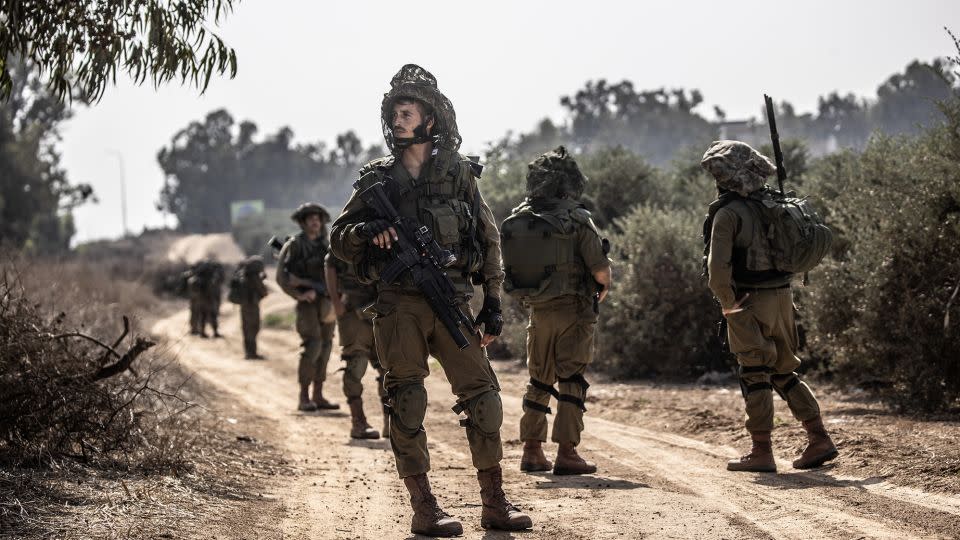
{"points": [[555, 174], [737, 166], [414, 82], [308, 209]]}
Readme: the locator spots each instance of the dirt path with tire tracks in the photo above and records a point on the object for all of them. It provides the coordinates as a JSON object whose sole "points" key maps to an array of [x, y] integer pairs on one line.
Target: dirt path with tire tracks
{"points": [[651, 484]]}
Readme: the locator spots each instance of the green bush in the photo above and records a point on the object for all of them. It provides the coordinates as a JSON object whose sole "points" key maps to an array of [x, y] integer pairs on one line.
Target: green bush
{"points": [[883, 311], [660, 318]]}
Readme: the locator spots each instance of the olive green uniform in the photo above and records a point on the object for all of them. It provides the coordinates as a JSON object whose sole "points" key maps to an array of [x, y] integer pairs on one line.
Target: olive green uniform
{"points": [[252, 290], [407, 331], [562, 324], [764, 335], [304, 258], [356, 330]]}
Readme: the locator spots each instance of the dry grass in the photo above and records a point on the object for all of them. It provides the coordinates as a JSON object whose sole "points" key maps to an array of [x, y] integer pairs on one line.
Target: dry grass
{"points": [[132, 455]]}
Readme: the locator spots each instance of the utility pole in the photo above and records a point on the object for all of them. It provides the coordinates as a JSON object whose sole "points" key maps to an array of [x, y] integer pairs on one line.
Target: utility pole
{"points": [[123, 192]]}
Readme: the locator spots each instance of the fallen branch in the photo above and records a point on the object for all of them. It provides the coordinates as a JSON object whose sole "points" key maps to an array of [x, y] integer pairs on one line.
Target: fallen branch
{"points": [[139, 346]]}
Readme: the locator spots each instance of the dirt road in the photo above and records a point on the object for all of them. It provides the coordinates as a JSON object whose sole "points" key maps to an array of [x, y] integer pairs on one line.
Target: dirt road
{"points": [[651, 484]]}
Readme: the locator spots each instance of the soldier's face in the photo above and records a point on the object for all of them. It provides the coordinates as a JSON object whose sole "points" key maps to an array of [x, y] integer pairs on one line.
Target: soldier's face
{"points": [[312, 224], [406, 118]]}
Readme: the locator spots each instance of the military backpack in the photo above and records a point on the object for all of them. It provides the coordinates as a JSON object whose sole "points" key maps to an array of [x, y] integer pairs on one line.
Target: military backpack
{"points": [[792, 237], [235, 286]]}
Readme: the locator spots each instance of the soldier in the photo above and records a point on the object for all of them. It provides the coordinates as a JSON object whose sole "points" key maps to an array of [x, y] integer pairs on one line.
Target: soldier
{"points": [[252, 289], [300, 274], [759, 310], [214, 292], [434, 185], [350, 298], [556, 264], [203, 289]]}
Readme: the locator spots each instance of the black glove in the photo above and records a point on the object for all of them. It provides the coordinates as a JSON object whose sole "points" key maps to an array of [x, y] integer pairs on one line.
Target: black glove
{"points": [[491, 316], [372, 228]]}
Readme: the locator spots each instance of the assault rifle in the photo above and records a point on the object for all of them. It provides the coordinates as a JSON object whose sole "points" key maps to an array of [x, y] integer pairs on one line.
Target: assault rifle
{"points": [[301, 284], [775, 139], [417, 252]]}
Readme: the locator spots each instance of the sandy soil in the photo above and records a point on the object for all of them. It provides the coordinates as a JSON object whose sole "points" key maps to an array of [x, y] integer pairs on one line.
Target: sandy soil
{"points": [[196, 247], [660, 476]]}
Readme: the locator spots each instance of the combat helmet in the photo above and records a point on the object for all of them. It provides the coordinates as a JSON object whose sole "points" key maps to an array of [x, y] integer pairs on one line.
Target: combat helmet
{"points": [[253, 264], [555, 174], [307, 209], [414, 82], [736, 166]]}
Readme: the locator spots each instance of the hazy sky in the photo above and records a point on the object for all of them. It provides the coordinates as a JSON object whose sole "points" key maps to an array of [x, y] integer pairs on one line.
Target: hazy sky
{"points": [[321, 68]]}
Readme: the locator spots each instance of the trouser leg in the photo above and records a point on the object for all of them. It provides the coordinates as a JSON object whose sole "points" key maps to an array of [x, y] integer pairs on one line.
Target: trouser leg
{"points": [[540, 365]]}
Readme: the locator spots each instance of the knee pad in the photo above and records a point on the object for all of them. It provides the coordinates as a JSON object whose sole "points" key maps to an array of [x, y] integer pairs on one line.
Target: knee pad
{"points": [[409, 405], [485, 412]]}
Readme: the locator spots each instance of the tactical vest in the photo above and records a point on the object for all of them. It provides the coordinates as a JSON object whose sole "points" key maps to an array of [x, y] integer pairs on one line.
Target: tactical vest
{"points": [[348, 283], [541, 254], [445, 198], [306, 258]]}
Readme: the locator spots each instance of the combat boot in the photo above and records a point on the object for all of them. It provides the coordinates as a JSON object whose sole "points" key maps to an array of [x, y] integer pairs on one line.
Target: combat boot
{"points": [[820, 448], [497, 511], [570, 462], [760, 458], [321, 401], [428, 518], [533, 459], [305, 404], [361, 429]]}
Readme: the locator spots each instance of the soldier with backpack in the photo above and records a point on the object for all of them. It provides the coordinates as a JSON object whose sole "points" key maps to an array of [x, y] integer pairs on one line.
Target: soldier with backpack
{"points": [[247, 289], [556, 264], [756, 240]]}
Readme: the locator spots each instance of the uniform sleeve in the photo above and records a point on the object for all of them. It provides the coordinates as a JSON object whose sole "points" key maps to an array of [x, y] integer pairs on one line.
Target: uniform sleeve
{"points": [[720, 259], [283, 278], [345, 241], [492, 269], [591, 249]]}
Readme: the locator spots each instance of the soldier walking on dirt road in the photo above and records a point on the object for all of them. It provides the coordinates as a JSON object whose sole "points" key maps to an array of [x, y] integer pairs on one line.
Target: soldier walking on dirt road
{"points": [[556, 265], [300, 273], [758, 307], [350, 298], [431, 184]]}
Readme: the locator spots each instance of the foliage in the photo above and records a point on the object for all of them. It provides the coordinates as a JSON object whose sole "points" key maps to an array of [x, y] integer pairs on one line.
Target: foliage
{"points": [[211, 163], [884, 311], [85, 43], [35, 195], [659, 319]]}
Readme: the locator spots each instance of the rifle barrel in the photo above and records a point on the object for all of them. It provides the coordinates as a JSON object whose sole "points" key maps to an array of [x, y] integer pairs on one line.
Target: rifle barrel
{"points": [[775, 139]]}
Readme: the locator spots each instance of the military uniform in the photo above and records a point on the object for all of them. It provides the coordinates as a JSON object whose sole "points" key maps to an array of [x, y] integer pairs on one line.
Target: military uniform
{"points": [[445, 198], [562, 324], [251, 291], [552, 249], [357, 342], [763, 333], [304, 258], [407, 330], [204, 280]]}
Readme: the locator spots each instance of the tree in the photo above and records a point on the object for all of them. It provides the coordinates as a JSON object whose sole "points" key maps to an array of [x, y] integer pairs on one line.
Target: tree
{"points": [[213, 162], [82, 44], [35, 195], [908, 101]]}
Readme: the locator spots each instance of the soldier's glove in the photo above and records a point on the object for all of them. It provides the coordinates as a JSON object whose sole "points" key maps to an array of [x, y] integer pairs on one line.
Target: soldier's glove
{"points": [[491, 316], [372, 228]]}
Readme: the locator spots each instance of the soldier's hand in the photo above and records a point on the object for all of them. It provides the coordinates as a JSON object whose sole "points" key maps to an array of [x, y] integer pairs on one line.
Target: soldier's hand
{"points": [[738, 307], [308, 296], [491, 318], [379, 232], [339, 309]]}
